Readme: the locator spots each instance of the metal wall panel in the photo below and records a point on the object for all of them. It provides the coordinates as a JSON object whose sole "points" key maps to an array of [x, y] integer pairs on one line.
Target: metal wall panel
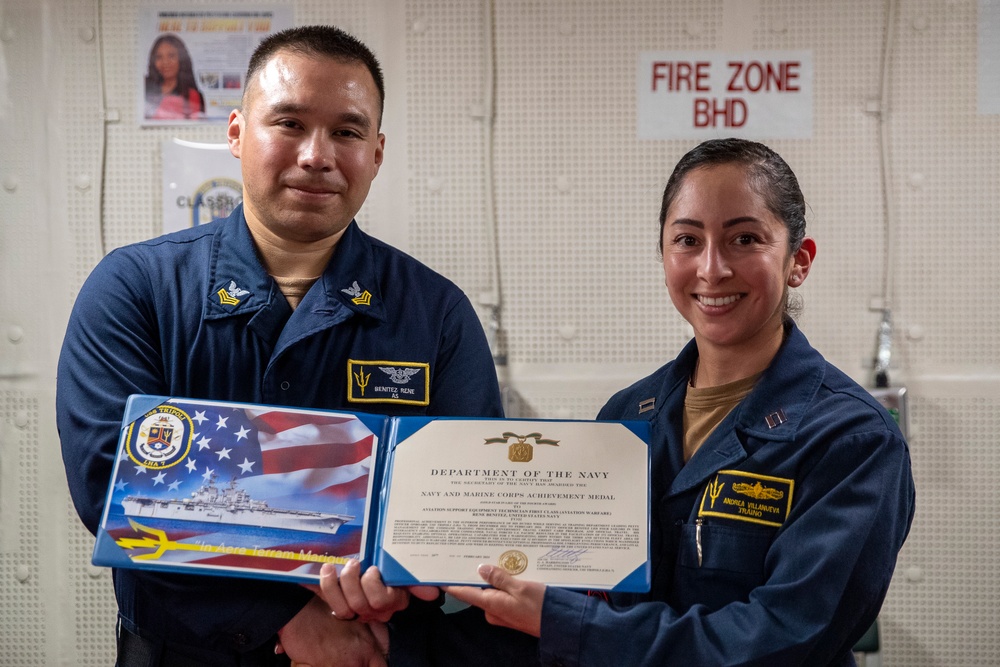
{"points": [[560, 196]]}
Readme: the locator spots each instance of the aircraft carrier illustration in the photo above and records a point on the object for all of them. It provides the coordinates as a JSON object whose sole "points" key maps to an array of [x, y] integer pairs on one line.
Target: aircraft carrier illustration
{"points": [[228, 504]]}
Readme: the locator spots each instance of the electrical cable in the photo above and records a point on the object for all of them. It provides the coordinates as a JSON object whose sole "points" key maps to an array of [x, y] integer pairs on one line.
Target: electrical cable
{"points": [[493, 298], [103, 152], [888, 287], [883, 344]]}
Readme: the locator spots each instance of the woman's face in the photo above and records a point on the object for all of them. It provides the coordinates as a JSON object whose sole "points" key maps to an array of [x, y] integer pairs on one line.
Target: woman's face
{"points": [[727, 260], [167, 61]]}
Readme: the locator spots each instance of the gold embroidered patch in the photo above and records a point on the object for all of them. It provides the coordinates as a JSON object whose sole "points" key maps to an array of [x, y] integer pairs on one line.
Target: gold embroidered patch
{"points": [[747, 496], [405, 382]]}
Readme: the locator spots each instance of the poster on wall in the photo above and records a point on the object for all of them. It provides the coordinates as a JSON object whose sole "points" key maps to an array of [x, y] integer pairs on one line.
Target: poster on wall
{"points": [[192, 59], [705, 94], [989, 57], [201, 182]]}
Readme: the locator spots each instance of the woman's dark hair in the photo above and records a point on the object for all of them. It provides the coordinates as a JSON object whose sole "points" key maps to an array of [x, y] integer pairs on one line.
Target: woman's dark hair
{"points": [[185, 72], [769, 176], [321, 40]]}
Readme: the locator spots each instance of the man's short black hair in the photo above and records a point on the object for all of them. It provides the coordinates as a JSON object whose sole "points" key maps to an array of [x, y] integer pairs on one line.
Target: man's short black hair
{"points": [[323, 40]]}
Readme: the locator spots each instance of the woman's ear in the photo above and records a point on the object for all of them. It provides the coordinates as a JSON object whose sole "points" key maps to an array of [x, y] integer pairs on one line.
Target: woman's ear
{"points": [[801, 262]]}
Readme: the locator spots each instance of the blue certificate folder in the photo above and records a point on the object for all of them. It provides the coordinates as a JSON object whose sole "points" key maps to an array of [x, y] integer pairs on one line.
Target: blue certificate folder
{"points": [[247, 490]]}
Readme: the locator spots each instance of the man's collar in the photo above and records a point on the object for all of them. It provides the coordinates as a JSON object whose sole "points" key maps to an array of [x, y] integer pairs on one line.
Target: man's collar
{"points": [[350, 277], [239, 284]]}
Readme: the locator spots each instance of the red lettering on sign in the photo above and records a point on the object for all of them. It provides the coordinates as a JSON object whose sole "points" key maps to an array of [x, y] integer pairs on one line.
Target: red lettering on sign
{"points": [[681, 75], [791, 69], [755, 76], [708, 112], [658, 74]]}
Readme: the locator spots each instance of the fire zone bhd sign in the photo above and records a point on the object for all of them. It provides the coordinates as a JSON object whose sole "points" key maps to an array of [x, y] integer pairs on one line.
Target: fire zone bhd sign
{"points": [[706, 94]]}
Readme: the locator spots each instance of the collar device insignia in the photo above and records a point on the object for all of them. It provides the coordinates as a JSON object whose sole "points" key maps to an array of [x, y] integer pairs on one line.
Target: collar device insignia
{"points": [[776, 419], [359, 297], [231, 295]]}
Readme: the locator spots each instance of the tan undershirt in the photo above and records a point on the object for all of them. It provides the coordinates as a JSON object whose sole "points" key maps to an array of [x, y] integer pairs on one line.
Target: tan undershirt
{"points": [[705, 408], [294, 288]]}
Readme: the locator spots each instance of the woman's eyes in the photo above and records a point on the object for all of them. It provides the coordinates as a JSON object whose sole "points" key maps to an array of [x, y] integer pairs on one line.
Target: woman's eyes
{"points": [[690, 241]]}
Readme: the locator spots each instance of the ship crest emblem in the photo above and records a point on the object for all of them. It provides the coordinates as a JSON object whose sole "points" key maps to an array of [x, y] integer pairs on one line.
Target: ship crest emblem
{"points": [[521, 451], [162, 438], [232, 295]]}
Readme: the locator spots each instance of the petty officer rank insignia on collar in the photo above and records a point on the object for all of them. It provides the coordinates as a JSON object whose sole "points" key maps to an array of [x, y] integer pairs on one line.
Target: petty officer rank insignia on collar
{"points": [[231, 295], [747, 496], [359, 297], [405, 382]]}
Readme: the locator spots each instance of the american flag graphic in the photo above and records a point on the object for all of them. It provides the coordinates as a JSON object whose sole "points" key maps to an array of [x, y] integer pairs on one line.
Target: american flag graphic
{"points": [[287, 490]]}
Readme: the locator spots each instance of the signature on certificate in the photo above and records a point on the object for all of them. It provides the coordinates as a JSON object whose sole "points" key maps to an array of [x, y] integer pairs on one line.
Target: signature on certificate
{"points": [[560, 555]]}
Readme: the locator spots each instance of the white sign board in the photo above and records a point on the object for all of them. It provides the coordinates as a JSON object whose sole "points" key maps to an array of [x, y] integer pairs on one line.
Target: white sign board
{"points": [[193, 58], [707, 94], [201, 182]]}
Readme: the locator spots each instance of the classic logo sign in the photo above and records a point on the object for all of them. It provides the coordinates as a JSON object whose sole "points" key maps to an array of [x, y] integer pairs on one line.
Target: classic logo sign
{"points": [[215, 198]]}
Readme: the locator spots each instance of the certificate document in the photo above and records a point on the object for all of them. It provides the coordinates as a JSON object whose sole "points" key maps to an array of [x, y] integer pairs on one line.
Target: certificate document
{"points": [[561, 502], [244, 490]]}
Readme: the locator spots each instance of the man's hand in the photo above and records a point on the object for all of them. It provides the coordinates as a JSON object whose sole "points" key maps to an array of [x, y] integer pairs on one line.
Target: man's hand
{"points": [[364, 597], [512, 603], [316, 638]]}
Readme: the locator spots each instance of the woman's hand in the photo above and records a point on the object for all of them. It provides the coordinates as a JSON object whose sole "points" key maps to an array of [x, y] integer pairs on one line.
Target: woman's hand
{"points": [[512, 603]]}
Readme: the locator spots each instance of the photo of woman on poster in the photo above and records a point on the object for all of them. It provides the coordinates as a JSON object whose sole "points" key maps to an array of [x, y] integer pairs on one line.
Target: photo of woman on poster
{"points": [[171, 90]]}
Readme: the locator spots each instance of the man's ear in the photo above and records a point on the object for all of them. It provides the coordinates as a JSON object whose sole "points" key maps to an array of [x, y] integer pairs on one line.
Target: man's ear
{"points": [[379, 153], [235, 131]]}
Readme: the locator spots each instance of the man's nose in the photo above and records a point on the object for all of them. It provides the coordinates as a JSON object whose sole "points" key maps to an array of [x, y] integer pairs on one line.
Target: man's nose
{"points": [[317, 152]]}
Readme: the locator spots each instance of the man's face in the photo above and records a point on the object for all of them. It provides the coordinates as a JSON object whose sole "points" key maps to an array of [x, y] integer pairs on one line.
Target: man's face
{"points": [[309, 144]]}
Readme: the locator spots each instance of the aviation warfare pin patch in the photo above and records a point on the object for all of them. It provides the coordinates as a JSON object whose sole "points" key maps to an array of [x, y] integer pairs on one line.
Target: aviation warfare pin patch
{"points": [[404, 382], [161, 439], [746, 496]]}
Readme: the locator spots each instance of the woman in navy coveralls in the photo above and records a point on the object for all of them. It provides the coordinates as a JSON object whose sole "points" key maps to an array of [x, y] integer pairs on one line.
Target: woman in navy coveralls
{"points": [[781, 490]]}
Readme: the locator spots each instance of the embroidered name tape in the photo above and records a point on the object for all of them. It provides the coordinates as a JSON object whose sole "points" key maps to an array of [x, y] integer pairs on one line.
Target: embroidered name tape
{"points": [[746, 496], [405, 382]]}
